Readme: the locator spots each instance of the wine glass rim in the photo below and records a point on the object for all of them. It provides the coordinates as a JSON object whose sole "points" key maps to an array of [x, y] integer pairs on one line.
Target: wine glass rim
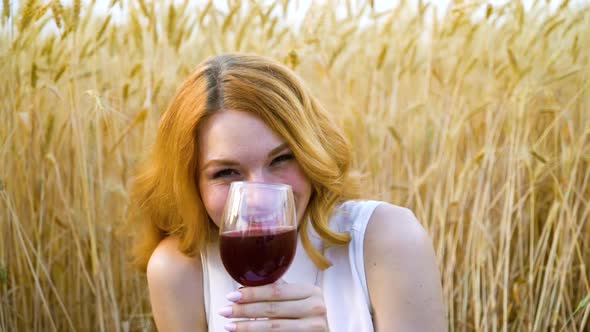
{"points": [[274, 185]]}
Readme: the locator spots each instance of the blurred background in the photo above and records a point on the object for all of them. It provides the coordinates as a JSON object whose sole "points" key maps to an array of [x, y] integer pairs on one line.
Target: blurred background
{"points": [[474, 114]]}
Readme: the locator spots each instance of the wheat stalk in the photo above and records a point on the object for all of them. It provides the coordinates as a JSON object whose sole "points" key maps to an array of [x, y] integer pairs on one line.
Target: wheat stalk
{"points": [[475, 118]]}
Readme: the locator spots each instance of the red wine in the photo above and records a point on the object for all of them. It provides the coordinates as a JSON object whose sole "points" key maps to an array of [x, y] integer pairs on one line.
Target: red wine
{"points": [[258, 256]]}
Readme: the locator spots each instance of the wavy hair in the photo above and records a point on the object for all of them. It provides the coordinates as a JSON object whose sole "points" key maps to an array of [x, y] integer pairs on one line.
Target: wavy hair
{"points": [[165, 199]]}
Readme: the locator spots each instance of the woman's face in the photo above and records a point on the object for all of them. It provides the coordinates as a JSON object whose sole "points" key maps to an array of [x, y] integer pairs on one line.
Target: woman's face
{"points": [[239, 146]]}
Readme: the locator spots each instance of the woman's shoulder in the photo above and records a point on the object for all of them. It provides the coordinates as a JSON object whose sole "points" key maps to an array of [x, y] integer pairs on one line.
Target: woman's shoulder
{"points": [[175, 287], [395, 226], [400, 259], [168, 262]]}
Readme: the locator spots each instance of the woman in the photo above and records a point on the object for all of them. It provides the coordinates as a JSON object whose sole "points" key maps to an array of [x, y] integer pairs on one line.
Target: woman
{"points": [[360, 265]]}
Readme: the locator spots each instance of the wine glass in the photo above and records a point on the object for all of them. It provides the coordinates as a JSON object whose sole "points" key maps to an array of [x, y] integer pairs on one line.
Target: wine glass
{"points": [[258, 232]]}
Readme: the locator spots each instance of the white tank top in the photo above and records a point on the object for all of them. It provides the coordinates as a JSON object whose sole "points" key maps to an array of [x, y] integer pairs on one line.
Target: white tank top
{"points": [[344, 284]]}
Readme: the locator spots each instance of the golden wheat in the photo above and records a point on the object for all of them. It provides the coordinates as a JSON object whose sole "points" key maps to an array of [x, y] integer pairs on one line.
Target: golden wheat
{"points": [[476, 118]]}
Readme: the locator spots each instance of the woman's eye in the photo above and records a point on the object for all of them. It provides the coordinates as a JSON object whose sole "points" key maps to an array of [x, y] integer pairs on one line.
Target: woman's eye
{"points": [[282, 158], [224, 173]]}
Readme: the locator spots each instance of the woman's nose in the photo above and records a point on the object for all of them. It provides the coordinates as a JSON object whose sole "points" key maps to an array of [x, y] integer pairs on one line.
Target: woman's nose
{"points": [[259, 176], [261, 200]]}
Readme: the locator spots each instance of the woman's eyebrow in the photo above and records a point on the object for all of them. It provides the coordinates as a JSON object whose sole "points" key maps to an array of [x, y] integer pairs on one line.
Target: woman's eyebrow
{"points": [[219, 162], [232, 163], [278, 149]]}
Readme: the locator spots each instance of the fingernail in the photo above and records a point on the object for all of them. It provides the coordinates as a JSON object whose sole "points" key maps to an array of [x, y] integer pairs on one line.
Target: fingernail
{"points": [[230, 327], [225, 311], [234, 296]]}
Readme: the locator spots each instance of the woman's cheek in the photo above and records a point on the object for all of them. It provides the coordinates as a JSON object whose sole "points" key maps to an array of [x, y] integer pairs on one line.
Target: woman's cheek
{"points": [[215, 202], [221, 198], [301, 185]]}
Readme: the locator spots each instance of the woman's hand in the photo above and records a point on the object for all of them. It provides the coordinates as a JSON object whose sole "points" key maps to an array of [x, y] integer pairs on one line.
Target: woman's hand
{"points": [[285, 307]]}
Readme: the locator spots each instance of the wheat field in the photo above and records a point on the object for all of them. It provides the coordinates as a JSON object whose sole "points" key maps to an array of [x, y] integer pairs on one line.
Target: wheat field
{"points": [[477, 118]]}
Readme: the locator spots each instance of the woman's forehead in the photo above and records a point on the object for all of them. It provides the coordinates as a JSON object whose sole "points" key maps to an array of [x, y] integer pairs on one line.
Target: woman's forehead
{"points": [[232, 133]]}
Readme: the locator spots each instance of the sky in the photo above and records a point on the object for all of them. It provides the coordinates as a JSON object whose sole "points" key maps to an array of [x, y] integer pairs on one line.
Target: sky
{"points": [[301, 6], [298, 8]]}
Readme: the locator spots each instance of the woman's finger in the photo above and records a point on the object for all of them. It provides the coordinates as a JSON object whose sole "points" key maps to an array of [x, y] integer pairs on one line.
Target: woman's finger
{"points": [[274, 292], [311, 306], [283, 325]]}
